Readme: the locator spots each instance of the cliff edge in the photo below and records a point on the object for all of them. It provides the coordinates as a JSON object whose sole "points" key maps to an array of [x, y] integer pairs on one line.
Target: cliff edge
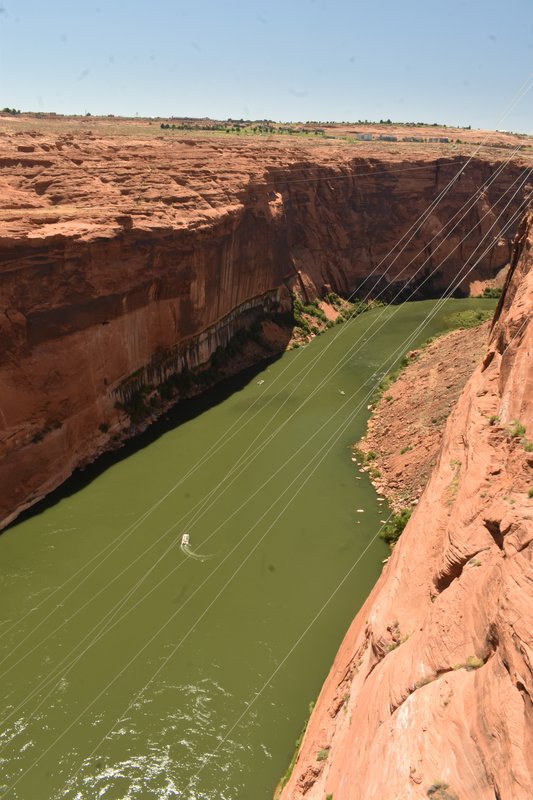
{"points": [[430, 694]]}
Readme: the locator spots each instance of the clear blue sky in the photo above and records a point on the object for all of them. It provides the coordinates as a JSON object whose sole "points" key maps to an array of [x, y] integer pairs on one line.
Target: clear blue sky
{"points": [[447, 61]]}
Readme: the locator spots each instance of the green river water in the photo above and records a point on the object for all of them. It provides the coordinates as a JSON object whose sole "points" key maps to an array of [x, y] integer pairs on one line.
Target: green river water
{"points": [[127, 666]]}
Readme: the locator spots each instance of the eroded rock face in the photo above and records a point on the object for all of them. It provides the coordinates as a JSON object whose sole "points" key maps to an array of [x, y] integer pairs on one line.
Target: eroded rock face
{"points": [[431, 691], [122, 257]]}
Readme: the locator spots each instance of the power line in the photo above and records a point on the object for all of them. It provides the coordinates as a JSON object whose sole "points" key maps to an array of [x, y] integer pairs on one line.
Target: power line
{"points": [[202, 504], [342, 427]]}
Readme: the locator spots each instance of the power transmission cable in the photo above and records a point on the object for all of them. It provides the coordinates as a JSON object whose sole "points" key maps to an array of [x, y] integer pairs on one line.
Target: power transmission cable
{"points": [[120, 604], [134, 525], [255, 546], [201, 503], [282, 662]]}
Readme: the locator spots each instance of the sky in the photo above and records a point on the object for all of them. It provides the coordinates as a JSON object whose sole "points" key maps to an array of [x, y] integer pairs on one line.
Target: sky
{"points": [[451, 62]]}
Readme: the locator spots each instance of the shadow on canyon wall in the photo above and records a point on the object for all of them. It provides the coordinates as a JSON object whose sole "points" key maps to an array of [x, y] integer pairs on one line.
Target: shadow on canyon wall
{"points": [[183, 411]]}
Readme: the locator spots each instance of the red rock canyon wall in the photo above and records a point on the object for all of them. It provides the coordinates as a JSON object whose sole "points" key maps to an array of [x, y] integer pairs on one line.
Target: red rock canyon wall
{"points": [[121, 255]]}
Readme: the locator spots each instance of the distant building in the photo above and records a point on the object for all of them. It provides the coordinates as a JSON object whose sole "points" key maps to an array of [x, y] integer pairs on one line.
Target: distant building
{"points": [[385, 137], [442, 139], [364, 137]]}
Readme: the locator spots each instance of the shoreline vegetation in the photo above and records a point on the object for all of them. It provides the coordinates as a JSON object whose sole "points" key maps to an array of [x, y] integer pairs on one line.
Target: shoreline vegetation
{"points": [[311, 319]]}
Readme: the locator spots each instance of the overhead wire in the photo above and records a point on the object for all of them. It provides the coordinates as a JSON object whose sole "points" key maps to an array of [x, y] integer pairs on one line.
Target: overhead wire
{"points": [[282, 662], [237, 465], [167, 658], [133, 589], [110, 548], [253, 549]]}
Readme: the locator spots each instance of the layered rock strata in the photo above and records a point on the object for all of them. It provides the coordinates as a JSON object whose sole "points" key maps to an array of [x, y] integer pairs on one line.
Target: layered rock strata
{"points": [[431, 691], [123, 260]]}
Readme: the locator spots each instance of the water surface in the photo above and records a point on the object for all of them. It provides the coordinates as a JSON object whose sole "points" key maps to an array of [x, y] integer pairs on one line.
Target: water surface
{"points": [[131, 670]]}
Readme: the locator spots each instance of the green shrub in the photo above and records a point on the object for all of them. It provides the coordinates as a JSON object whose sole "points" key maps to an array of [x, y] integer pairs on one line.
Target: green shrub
{"points": [[473, 662], [135, 406], [333, 299], [518, 430], [491, 292], [392, 530], [438, 791], [405, 449], [468, 319], [494, 419], [322, 755], [530, 491]]}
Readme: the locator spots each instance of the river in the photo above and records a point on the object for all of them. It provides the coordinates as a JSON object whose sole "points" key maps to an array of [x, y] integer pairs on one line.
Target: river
{"points": [[130, 669]]}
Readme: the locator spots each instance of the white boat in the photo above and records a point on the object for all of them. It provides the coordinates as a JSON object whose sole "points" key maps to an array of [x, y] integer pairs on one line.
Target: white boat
{"points": [[185, 539]]}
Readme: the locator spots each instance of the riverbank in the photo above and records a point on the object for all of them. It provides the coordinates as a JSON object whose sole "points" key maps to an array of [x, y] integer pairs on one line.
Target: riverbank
{"points": [[405, 431]]}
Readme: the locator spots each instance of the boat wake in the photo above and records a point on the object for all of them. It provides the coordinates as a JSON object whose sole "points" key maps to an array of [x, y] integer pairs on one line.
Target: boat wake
{"points": [[187, 549]]}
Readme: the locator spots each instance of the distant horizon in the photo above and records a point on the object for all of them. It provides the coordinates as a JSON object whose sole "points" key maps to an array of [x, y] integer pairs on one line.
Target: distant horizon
{"points": [[464, 62], [16, 112]]}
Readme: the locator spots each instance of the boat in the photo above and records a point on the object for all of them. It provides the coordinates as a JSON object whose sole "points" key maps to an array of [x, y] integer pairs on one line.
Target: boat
{"points": [[185, 539]]}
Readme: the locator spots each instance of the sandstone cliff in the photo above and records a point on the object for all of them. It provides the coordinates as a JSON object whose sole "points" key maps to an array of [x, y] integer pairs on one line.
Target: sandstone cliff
{"points": [[431, 691], [124, 261]]}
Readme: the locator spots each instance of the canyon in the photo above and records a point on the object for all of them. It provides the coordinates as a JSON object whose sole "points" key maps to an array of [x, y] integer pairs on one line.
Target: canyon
{"points": [[127, 262], [132, 267], [431, 691]]}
